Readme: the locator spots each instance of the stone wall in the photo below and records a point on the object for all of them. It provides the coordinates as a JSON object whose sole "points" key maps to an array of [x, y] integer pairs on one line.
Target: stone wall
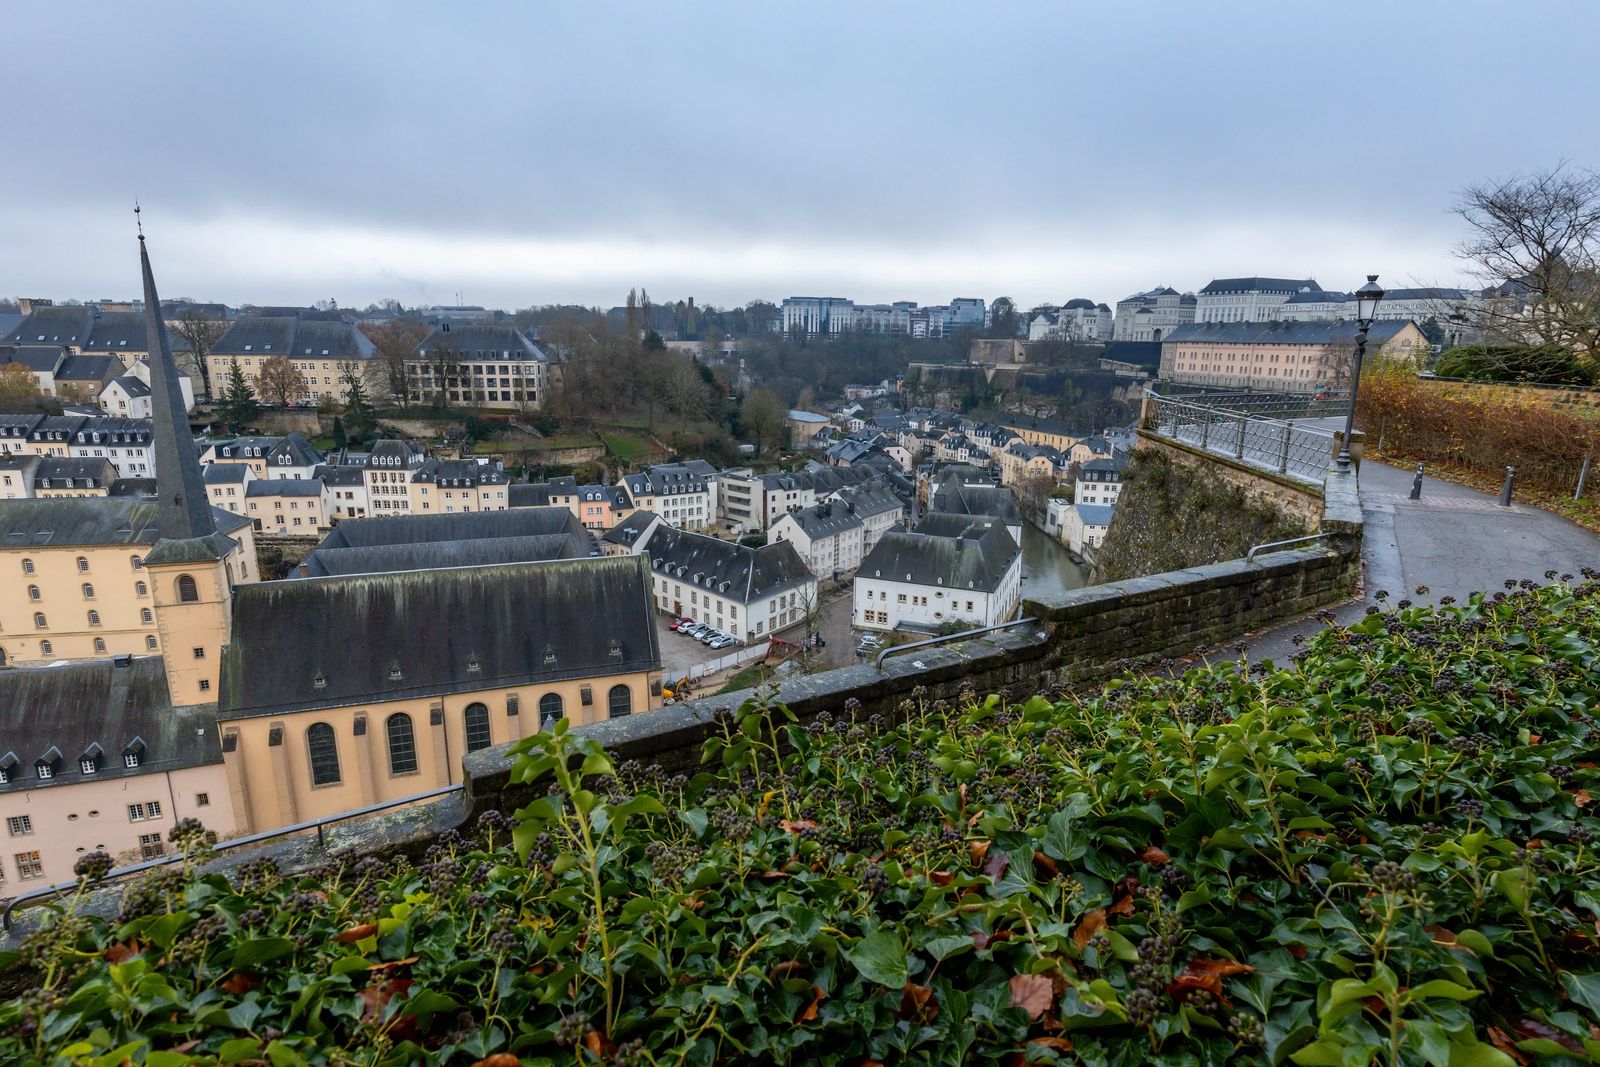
{"points": [[1065, 640], [1284, 493]]}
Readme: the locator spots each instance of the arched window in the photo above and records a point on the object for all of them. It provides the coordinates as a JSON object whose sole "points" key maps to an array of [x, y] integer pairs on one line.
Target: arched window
{"points": [[150, 641], [137, 561], [94, 618], [145, 616], [549, 710], [45, 649], [188, 592], [83, 564], [99, 644], [476, 718], [324, 754], [33, 592], [620, 700], [27, 566], [38, 620], [402, 744], [141, 589], [88, 591]]}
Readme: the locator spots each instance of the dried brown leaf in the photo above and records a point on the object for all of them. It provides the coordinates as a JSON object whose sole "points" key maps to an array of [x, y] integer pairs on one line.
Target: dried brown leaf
{"points": [[1032, 993], [356, 933], [1092, 923]]}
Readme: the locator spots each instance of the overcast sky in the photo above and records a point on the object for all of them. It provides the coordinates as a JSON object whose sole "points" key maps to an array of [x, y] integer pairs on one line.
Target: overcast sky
{"points": [[562, 152]]}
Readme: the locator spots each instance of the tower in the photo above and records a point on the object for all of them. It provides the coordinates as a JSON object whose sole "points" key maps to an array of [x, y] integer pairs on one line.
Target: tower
{"points": [[189, 564]]}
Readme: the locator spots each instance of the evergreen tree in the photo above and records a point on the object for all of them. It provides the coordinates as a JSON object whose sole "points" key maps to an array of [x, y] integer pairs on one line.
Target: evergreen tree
{"points": [[238, 406], [360, 419], [340, 441]]}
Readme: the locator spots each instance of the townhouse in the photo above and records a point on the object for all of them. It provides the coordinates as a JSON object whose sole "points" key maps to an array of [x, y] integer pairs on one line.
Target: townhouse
{"points": [[325, 348], [488, 364], [749, 593], [830, 537], [952, 571]]}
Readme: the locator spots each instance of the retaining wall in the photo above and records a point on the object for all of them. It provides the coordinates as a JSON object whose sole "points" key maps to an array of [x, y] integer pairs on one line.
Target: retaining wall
{"points": [[1075, 637]]}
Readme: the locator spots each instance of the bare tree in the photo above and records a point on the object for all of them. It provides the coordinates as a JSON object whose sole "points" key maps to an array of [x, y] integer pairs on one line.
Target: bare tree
{"points": [[201, 334], [1535, 241], [17, 383], [280, 381], [763, 415], [395, 341]]}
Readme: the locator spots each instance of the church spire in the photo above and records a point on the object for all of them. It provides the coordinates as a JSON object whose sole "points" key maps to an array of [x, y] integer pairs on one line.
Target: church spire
{"points": [[184, 512]]}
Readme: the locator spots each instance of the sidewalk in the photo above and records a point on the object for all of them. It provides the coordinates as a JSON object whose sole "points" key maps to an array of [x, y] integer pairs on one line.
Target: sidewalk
{"points": [[1455, 541]]}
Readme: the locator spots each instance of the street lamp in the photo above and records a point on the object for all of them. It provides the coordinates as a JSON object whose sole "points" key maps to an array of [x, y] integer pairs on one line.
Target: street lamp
{"points": [[1367, 300]]}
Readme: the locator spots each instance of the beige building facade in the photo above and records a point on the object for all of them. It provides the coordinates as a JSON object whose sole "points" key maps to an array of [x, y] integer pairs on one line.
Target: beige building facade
{"points": [[1281, 356]]}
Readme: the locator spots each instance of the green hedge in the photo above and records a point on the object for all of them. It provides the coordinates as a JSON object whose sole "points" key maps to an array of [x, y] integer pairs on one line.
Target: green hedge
{"points": [[1383, 854]]}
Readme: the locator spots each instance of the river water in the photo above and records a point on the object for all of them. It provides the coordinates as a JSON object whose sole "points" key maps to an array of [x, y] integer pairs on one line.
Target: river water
{"points": [[1046, 567]]}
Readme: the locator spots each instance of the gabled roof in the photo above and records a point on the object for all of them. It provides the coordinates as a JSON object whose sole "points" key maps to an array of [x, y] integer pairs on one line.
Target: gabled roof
{"points": [[480, 340], [133, 386], [870, 498], [629, 530], [431, 555], [283, 487], [990, 501], [99, 702], [37, 358], [976, 557], [418, 634], [1094, 514], [53, 326], [226, 473], [87, 368], [57, 472], [304, 335], [87, 520], [733, 571], [125, 331], [459, 472], [822, 520]]}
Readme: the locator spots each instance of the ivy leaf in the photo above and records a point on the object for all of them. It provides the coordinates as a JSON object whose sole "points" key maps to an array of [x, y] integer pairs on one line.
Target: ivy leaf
{"points": [[1583, 989], [259, 950], [881, 958], [1512, 883]]}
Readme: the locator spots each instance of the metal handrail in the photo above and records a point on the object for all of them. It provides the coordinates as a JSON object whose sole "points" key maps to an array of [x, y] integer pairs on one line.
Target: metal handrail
{"points": [[892, 649], [234, 842], [1251, 555], [1314, 431]]}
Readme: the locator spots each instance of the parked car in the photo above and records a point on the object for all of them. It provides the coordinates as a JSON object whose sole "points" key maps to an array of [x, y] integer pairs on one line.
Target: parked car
{"points": [[694, 629], [710, 635], [678, 624], [723, 641]]}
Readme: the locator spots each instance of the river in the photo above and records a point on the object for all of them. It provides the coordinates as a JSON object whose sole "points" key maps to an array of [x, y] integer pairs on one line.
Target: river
{"points": [[1046, 567]]}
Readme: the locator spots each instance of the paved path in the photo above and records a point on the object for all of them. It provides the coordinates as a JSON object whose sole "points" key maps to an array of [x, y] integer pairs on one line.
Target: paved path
{"points": [[1455, 541]]}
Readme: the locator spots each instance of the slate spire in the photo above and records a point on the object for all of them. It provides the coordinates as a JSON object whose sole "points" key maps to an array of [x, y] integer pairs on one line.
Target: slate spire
{"points": [[184, 512]]}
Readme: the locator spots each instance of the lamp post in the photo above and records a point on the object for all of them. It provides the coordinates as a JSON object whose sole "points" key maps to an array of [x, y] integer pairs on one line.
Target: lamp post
{"points": [[1367, 298]]}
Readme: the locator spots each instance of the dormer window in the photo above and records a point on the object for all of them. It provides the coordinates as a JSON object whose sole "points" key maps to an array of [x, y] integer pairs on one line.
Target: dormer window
{"points": [[133, 755], [395, 673], [45, 766]]}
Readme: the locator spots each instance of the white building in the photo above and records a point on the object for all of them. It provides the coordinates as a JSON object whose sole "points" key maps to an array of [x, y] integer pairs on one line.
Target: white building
{"points": [[1076, 320], [127, 443], [749, 593], [876, 505], [1247, 299], [1151, 315], [127, 396], [818, 314], [751, 503], [679, 493], [924, 581], [387, 476], [1100, 480], [829, 537], [1084, 526]]}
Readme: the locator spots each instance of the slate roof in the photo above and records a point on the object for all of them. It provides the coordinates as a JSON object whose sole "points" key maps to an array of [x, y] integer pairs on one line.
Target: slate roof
{"points": [[53, 326], [88, 520], [796, 415], [1078, 302], [1094, 514], [486, 341], [421, 633], [87, 368], [823, 520], [478, 552], [869, 498], [283, 487], [134, 387], [976, 557], [734, 571], [74, 706], [993, 502], [225, 473], [336, 476], [459, 472], [37, 358], [134, 488], [297, 336], [630, 529], [421, 529], [124, 331], [1269, 285], [665, 479], [57, 472], [1282, 333]]}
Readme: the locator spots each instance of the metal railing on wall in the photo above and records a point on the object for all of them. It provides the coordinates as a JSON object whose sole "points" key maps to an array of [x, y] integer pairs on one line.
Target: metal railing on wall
{"points": [[1269, 443], [1307, 405]]}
